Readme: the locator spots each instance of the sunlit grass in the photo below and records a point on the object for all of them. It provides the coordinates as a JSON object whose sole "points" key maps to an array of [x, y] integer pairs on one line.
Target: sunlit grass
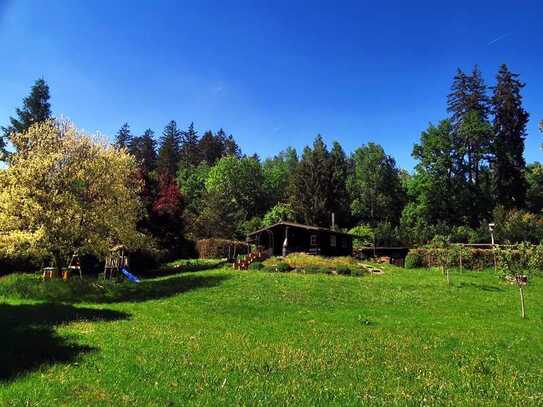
{"points": [[232, 337]]}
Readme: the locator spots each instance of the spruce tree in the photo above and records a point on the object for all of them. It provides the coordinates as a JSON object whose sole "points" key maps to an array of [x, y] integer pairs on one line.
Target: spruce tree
{"points": [[210, 147], [189, 152], [510, 121], [311, 185], [168, 154], [230, 147], [144, 149], [339, 171], [36, 108], [123, 137], [472, 140]]}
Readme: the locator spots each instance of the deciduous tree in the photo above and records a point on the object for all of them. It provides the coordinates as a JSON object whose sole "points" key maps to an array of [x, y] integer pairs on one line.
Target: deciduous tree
{"points": [[375, 186], [63, 191]]}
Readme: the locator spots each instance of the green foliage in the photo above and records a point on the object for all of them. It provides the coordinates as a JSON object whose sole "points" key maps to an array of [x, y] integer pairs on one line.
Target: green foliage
{"points": [[516, 226], [463, 234], [236, 180], [249, 226], [386, 234], [169, 150], [517, 261], [143, 148], [534, 193], [280, 212], [123, 137], [282, 267], [278, 172], [414, 259], [36, 108], [364, 236], [430, 189], [375, 186], [510, 120], [190, 155], [256, 266], [192, 182], [318, 184]]}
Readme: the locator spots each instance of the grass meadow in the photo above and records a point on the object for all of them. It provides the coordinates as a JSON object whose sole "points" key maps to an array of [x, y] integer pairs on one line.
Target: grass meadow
{"points": [[223, 337]]}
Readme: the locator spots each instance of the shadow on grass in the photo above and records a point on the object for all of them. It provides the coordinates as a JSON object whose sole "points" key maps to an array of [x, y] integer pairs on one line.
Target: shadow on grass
{"points": [[482, 287], [157, 289], [28, 338], [187, 267], [100, 291]]}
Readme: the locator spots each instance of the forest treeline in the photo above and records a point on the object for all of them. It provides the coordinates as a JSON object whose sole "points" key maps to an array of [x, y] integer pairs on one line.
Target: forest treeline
{"points": [[470, 171]]}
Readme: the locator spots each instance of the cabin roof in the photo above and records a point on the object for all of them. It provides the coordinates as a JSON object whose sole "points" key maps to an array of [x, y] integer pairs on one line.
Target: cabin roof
{"points": [[300, 226]]}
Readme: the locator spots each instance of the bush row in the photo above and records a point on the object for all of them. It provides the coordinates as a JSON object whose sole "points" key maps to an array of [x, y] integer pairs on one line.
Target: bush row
{"points": [[466, 257], [283, 267]]}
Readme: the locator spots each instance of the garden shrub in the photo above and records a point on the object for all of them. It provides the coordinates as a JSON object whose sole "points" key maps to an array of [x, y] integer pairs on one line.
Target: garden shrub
{"points": [[343, 270], [283, 267], [414, 259], [363, 236], [256, 266]]}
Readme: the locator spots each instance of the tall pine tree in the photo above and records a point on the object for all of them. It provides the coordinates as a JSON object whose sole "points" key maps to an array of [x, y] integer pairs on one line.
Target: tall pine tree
{"points": [[472, 138], [510, 121], [123, 137], [311, 193], [339, 171], [36, 108], [190, 155], [144, 149], [168, 154]]}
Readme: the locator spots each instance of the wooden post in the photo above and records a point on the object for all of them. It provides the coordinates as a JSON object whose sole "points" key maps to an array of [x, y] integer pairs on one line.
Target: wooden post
{"points": [[522, 308], [494, 253], [461, 267]]}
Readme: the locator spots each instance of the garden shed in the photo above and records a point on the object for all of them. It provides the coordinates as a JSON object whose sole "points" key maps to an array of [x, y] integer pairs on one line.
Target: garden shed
{"points": [[288, 237]]}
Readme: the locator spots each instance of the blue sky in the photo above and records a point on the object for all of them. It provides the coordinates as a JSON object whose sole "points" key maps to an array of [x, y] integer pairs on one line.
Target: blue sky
{"points": [[272, 73]]}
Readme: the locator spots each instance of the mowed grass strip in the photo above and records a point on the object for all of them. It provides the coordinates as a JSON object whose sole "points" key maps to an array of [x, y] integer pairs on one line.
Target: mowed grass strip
{"points": [[288, 338]]}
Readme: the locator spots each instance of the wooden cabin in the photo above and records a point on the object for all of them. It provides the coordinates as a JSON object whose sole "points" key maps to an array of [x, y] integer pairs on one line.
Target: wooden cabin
{"points": [[283, 238]]}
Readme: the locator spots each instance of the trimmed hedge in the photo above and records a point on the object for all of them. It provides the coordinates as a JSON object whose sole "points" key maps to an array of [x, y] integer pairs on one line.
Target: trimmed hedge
{"points": [[219, 248]]}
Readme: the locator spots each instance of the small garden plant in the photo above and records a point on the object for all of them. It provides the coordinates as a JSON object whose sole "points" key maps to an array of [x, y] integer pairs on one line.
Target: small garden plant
{"points": [[516, 265]]}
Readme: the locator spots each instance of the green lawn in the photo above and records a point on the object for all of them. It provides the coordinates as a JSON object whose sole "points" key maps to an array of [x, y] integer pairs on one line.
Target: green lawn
{"points": [[223, 337]]}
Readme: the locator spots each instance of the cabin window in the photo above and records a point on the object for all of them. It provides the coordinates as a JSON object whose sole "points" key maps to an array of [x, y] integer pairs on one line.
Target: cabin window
{"points": [[333, 241], [345, 243], [313, 240]]}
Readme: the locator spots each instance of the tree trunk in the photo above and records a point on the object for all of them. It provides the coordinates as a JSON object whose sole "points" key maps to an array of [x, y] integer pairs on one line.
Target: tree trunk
{"points": [[58, 265]]}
